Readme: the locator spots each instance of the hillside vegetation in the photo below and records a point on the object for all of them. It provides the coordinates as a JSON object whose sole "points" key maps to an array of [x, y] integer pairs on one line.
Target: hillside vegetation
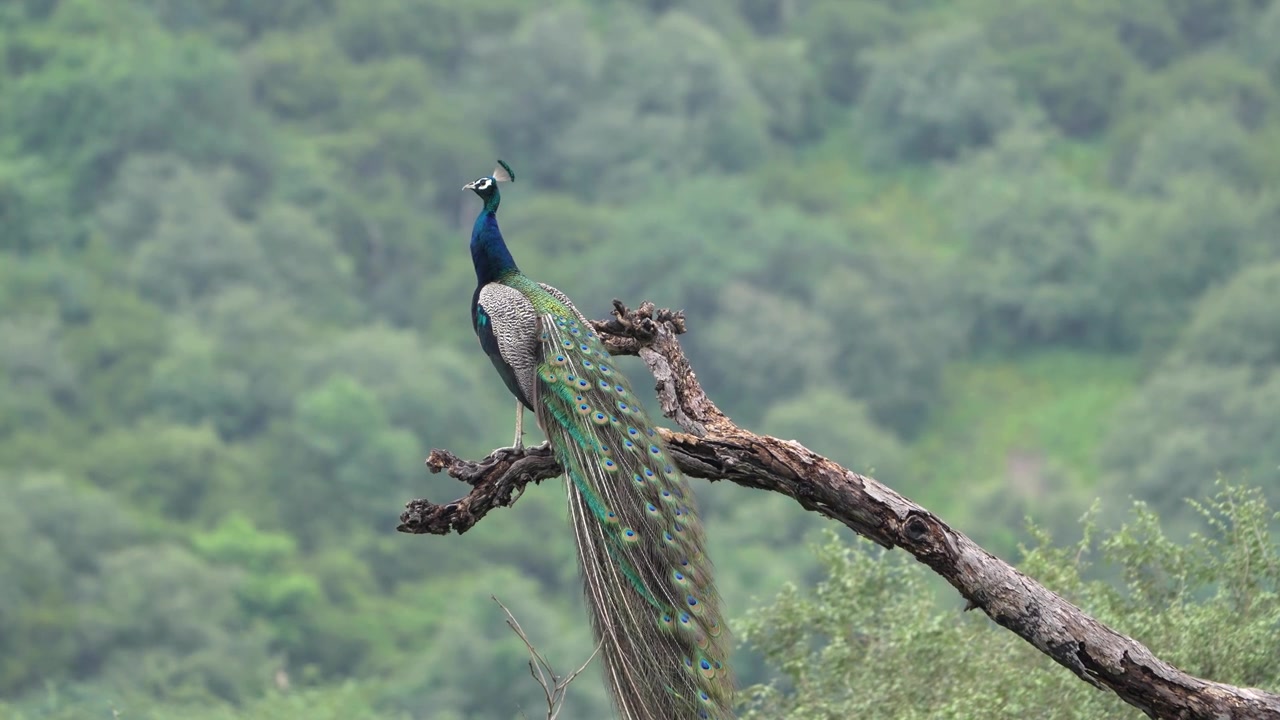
{"points": [[1010, 255]]}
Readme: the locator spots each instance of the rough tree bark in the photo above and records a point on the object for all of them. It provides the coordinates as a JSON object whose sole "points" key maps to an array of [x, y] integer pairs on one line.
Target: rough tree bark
{"points": [[713, 447]]}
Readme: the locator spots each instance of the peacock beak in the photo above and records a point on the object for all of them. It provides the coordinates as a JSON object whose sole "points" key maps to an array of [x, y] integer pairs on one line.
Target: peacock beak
{"points": [[470, 186]]}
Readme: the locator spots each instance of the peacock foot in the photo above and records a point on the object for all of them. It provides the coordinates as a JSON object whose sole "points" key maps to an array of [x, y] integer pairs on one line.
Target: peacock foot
{"points": [[502, 452], [520, 449]]}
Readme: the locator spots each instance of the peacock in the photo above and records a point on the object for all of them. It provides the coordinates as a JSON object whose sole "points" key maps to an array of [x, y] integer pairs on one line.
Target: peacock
{"points": [[654, 607]]}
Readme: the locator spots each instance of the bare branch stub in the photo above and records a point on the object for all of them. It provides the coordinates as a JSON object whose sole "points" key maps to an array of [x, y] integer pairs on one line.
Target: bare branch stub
{"points": [[713, 447], [496, 481], [650, 333]]}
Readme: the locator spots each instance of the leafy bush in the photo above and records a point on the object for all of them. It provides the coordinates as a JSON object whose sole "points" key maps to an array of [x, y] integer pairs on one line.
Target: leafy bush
{"points": [[874, 639]]}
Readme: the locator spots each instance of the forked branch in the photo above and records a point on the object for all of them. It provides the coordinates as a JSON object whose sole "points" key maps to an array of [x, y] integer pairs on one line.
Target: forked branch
{"points": [[555, 687], [713, 447]]}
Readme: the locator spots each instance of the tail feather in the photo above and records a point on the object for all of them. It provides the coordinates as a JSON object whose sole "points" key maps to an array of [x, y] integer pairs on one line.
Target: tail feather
{"points": [[648, 582]]}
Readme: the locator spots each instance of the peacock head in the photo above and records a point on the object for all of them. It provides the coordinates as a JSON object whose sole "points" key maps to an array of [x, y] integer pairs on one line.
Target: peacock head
{"points": [[487, 186]]}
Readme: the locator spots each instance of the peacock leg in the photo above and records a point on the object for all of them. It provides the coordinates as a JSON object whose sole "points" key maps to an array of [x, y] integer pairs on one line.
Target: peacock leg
{"points": [[518, 445], [519, 441]]}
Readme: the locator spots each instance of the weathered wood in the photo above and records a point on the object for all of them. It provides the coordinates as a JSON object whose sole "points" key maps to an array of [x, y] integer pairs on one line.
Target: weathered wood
{"points": [[713, 447]]}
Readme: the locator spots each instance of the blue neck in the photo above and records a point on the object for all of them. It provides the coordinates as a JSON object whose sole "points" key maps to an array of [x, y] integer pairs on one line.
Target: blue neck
{"points": [[489, 251]]}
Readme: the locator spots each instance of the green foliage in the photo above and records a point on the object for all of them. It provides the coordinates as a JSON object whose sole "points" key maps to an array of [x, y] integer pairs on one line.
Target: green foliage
{"points": [[840, 428], [1232, 325], [1033, 239], [35, 601], [937, 96], [87, 596], [273, 591], [763, 345], [854, 645], [675, 99], [1031, 429], [1204, 20], [1260, 43], [898, 322], [1212, 407], [1194, 139], [1066, 59], [171, 470], [1216, 77], [434, 30], [33, 206], [1162, 254], [838, 35], [1189, 422], [1002, 254], [458, 671], [87, 104], [160, 620], [788, 87], [296, 77]]}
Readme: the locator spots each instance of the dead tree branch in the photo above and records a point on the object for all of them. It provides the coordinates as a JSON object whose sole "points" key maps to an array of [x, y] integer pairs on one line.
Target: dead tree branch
{"points": [[713, 447]]}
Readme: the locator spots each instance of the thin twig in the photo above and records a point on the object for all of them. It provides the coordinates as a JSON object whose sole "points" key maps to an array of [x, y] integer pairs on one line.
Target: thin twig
{"points": [[554, 687]]}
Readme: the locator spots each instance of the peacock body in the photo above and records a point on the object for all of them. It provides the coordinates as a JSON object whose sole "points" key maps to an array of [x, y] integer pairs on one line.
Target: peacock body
{"points": [[648, 583]]}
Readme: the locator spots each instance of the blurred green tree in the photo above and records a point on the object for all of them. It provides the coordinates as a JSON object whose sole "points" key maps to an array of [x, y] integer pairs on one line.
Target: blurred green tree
{"points": [[676, 99], [1033, 235], [1234, 324], [1192, 422], [436, 31], [88, 104], [838, 35], [836, 426], [935, 96], [1202, 21], [897, 321], [53, 533], [160, 619], [1059, 54], [766, 347], [34, 209], [788, 86], [230, 364], [172, 471], [1163, 253]]}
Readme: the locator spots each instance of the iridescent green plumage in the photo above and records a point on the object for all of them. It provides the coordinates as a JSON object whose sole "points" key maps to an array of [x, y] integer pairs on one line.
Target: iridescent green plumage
{"points": [[648, 582]]}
